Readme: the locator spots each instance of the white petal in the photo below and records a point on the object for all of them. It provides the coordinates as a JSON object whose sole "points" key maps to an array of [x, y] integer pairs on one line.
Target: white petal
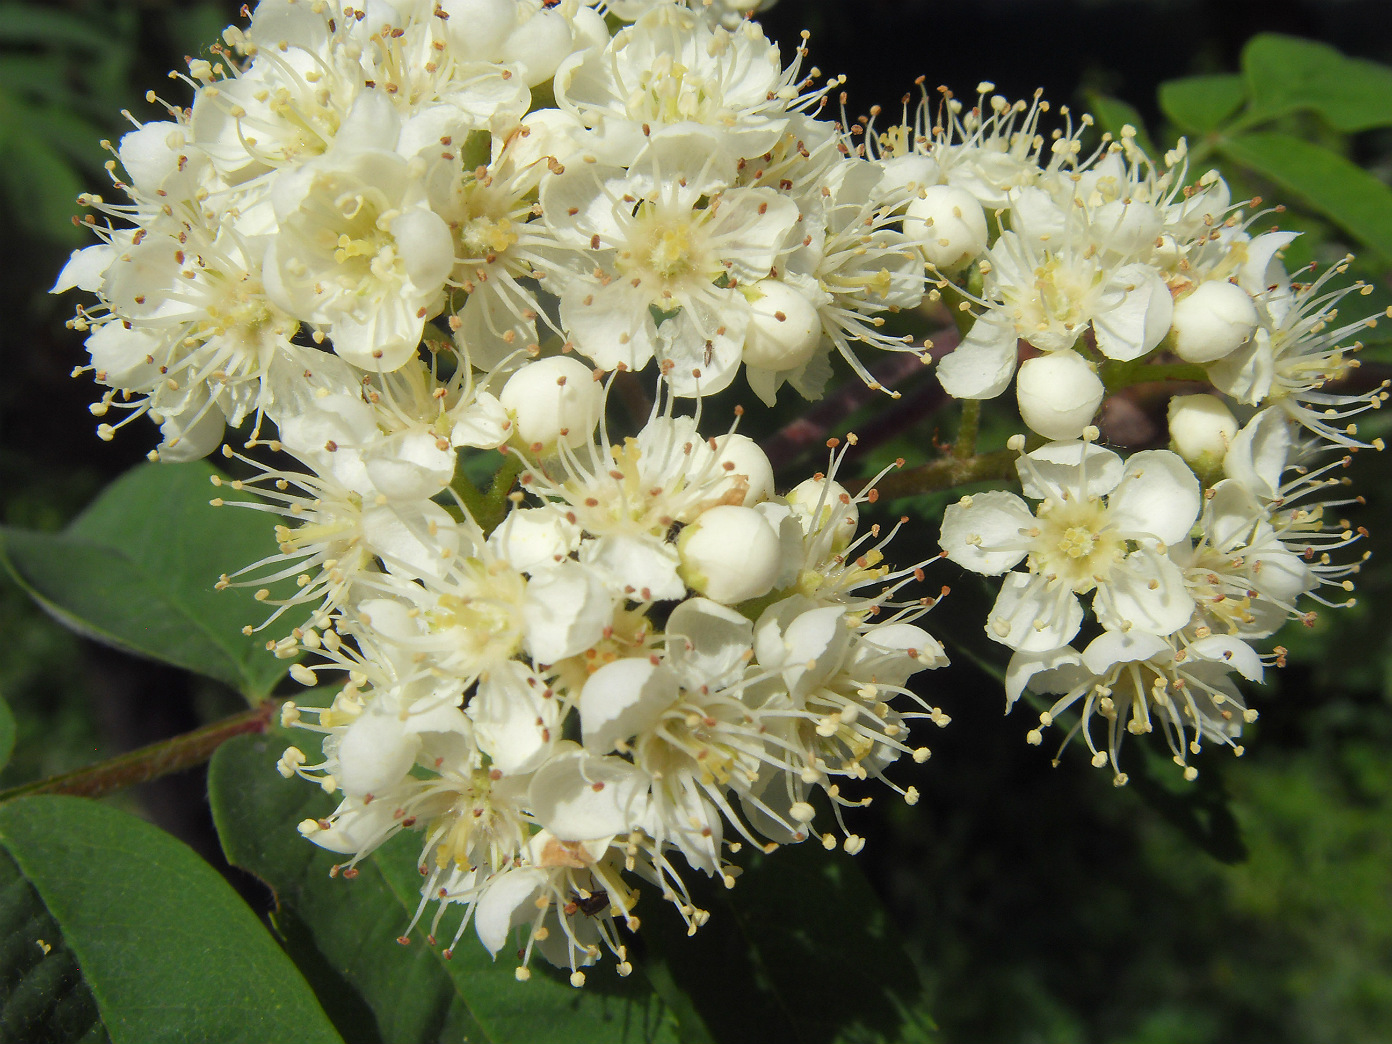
{"points": [[1237, 654], [565, 611], [624, 698], [534, 538], [376, 753], [1142, 318], [987, 532], [1145, 591], [706, 641], [515, 723], [1258, 453], [579, 796], [982, 365], [1056, 671], [1158, 495], [505, 901], [1113, 647], [85, 269], [1032, 615], [636, 566], [1077, 470]]}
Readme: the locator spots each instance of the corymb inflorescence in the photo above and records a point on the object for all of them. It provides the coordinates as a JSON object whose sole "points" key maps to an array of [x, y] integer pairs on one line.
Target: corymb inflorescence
{"points": [[399, 246]]}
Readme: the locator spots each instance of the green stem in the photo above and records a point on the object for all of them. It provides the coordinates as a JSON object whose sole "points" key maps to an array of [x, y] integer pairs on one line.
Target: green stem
{"points": [[1118, 375], [965, 447], [495, 505], [948, 473], [152, 762]]}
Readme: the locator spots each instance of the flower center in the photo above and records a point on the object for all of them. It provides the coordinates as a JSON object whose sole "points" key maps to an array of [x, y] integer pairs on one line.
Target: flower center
{"points": [[1077, 542]]}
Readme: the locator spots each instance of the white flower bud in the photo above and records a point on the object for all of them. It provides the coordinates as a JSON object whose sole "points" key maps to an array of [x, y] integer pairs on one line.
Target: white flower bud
{"points": [[1201, 430], [948, 225], [553, 400], [1213, 321], [749, 462], [784, 329], [1058, 394], [838, 512], [729, 554]]}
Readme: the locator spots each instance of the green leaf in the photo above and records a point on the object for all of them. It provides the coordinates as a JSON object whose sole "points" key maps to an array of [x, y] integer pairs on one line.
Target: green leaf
{"points": [[1286, 74], [164, 947], [137, 570], [1349, 196], [43, 996], [343, 931], [1112, 114], [1199, 104], [7, 733]]}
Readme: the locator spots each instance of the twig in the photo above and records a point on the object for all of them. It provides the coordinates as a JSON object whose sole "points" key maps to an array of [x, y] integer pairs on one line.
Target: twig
{"points": [[158, 759]]}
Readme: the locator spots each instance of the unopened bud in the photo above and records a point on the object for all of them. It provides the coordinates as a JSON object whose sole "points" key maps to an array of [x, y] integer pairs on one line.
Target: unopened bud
{"points": [[1212, 322], [1201, 430], [730, 554], [784, 328], [948, 225], [553, 400], [1058, 394]]}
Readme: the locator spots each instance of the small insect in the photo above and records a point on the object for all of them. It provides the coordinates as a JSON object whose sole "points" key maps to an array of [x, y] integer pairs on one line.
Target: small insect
{"points": [[710, 352], [591, 905]]}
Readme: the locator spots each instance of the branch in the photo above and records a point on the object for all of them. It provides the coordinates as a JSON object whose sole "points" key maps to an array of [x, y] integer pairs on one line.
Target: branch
{"points": [[152, 762], [948, 473]]}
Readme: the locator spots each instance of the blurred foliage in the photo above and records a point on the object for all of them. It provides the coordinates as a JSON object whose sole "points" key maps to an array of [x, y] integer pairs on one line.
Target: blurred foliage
{"points": [[1041, 904]]}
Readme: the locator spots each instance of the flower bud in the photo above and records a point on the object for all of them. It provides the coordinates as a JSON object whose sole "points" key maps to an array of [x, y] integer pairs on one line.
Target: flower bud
{"points": [[747, 461], [784, 329], [729, 554], [553, 400], [1058, 394], [1201, 430], [948, 225], [1213, 321]]}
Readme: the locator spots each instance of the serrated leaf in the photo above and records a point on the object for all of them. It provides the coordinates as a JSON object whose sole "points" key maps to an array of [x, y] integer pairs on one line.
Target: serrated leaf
{"points": [[7, 733], [166, 949], [137, 569], [1112, 114], [1349, 196], [1200, 104], [347, 929], [1287, 74]]}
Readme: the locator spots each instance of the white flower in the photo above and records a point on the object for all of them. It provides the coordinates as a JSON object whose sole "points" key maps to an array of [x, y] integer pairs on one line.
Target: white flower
{"points": [[671, 71], [1135, 679], [629, 497], [1047, 285], [1295, 352], [668, 235], [1101, 527], [359, 254]]}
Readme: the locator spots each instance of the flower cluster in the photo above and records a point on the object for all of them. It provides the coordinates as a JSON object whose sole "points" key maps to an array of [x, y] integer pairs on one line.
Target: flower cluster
{"points": [[407, 244]]}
